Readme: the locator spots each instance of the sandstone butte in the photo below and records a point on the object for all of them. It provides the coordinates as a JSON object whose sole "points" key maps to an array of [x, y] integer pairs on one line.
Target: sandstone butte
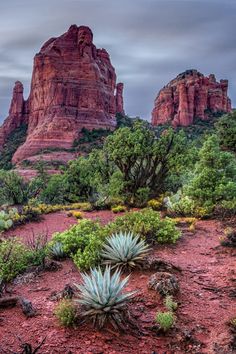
{"points": [[73, 86], [190, 96]]}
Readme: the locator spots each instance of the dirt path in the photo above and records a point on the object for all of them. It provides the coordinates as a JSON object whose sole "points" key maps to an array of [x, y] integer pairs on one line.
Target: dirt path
{"points": [[205, 305]]}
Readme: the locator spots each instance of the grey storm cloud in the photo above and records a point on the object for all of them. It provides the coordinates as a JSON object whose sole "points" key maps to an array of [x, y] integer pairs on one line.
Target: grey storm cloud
{"points": [[149, 41]]}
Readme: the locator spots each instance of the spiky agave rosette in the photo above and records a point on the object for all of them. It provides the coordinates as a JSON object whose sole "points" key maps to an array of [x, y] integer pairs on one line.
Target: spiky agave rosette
{"points": [[124, 250], [102, 297]]}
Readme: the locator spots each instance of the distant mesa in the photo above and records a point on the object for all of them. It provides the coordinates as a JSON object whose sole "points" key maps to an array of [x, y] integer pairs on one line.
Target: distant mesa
{"points": [[190, 96], [73, 87]]}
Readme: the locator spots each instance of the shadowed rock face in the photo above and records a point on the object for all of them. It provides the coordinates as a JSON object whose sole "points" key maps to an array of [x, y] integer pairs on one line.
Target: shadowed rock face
{"points": [[73, 86], [190, 95]]}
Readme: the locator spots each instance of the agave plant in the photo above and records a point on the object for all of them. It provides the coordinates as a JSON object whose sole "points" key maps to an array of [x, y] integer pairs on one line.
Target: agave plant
{"points": [[124, 250], [102, 298], [56, 251]]}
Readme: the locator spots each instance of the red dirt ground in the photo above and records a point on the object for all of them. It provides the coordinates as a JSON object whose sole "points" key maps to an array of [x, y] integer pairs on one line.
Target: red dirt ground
{"points": [[206, 282]]}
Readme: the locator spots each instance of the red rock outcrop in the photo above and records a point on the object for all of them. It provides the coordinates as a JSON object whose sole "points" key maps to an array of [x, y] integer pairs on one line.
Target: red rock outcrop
{"points": [[73, 86], [189, 96], [17, 113]]}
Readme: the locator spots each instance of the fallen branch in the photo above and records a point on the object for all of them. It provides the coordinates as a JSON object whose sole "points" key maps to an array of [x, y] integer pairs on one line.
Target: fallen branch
{"points": [[26, 305]]}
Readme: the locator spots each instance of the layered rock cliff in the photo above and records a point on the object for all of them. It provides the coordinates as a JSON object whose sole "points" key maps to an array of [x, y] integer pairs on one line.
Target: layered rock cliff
{"points": [[73, 86], [190, 96]]}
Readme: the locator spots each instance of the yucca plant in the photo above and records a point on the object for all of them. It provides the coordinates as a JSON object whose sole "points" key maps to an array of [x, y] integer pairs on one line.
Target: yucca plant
{"points": [[124, 250], [56, 251], [102, 298]]}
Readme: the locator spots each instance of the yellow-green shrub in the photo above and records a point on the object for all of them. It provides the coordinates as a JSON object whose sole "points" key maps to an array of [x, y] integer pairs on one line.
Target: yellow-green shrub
{"points": [[118, 208]]}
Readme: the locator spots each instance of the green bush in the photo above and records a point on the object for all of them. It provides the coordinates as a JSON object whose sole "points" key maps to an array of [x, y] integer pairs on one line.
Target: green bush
{"points": [[55, 191], [165, 320], [82, 242], [170, 304], [65, 312], [13, 189], [118, 208], [14, 258], [214, 177], [146, 223]]}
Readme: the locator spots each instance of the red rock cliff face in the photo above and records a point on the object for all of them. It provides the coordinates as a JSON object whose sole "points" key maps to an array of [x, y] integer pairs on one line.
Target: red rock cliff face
{"points": [[73, 86], [191, 95], [17, 113]]}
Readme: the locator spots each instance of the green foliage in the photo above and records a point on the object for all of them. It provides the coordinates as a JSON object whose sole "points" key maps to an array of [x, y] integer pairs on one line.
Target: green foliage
{"points": [[148, 224], [124, 121], [124, 250], [143, 158], [14, 258], [118, 208], [226, 130], [14, 140], [103, 298], [89, 136], [165, 320], [83, 242], [37, 247], [156, 204], [65, 312], [170, 304], [214, 178], [93, 178], [13, 189], [55, 191]]}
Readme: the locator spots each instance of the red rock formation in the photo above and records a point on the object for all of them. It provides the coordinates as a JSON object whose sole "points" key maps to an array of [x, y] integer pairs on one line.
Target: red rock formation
{"points": [[73, 86], [17, 113], [190, 95]]}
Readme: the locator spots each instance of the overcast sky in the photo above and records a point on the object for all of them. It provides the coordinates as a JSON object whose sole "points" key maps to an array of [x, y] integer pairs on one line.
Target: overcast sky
{"points": [[149, 41]]}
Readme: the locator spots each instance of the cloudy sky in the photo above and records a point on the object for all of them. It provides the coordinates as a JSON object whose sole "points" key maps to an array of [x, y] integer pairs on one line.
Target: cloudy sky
{"points": [[149, 41]]}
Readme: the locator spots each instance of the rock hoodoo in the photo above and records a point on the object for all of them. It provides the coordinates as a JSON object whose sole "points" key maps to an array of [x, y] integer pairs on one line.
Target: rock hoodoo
{"points": [[73, 86], [189, 96]]}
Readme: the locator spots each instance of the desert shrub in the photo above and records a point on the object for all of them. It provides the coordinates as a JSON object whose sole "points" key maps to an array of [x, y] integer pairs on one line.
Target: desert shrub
{"points": [[165, 320], [156, 204], [170, 304], [102, 297], [90, 255], [118, 208], [65, 312], [230, 237], [214, 177], [148, 224], [226, 208], [89, 136], [55, 191], [124, 250], [76, 214], [37, 246], [14, 258], [83, 242], [94, 178], [143, 158], [183, 205], [13, 189]]}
